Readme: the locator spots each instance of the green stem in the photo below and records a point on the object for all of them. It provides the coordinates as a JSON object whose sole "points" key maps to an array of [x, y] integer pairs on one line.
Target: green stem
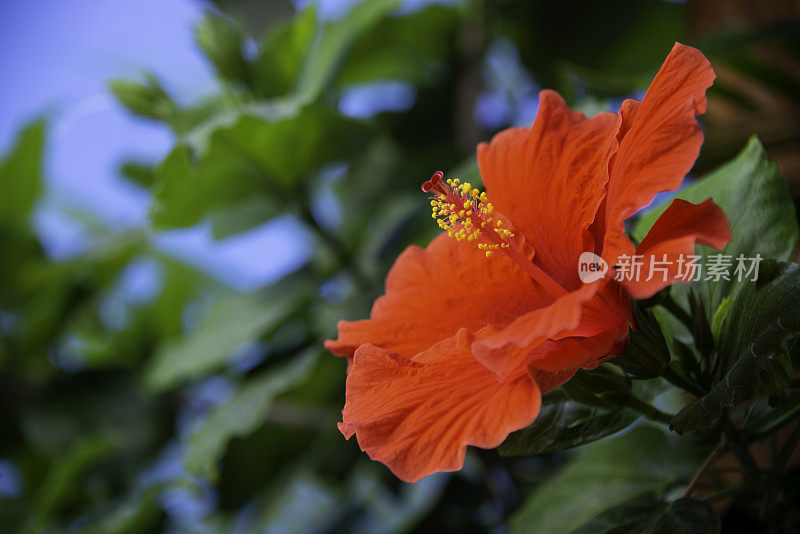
{"points": [[706, 464], [740, 450], [770, 426], [786, 451]]}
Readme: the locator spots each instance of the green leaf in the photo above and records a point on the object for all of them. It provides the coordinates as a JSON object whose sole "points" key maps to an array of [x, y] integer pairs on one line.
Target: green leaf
{"points": [[242, 216], [719, 315], [759, 207], [253, 159], [599, 387], [243, 413], [686, 516], [646, 514], [564, 424], [63, 476], [648, 353], [335, 42], [139, 173], [701, 329], [401, 48], [320, 65], [146, 99], [626, 517], [282, 52], [604, 475], [223, 43], [232, 321], [138, 513], [762, 315], [21, 175]]}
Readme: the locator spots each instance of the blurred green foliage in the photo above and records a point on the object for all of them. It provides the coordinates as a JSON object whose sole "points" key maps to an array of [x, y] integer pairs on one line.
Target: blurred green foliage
{"points": [[209, 410]]}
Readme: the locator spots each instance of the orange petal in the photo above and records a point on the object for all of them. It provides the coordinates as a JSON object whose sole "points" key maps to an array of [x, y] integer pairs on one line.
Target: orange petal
{"points": [[549, 181], [432, 293], [673, 236], [548, 381], [660, 140], [603, 325], [504, 351], [419, 418], [570, 353]]}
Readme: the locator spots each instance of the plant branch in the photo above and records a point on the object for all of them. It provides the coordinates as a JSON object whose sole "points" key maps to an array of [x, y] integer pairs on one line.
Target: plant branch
{"points": [[786, 451], [706, 464]]}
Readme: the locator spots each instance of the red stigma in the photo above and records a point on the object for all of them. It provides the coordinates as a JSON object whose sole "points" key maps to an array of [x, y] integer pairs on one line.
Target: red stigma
{"points": [[433, 182]]}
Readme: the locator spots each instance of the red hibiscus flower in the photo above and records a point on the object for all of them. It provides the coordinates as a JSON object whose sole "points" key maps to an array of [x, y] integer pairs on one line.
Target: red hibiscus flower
{"points": [[493, 313]]}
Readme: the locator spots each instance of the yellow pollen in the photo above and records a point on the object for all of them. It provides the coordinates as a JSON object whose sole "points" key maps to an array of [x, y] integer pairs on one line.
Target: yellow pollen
{"points": [[466, 215]]}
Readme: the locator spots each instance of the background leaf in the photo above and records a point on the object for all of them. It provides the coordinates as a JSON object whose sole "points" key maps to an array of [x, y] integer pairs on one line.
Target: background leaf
{"points": [[564, 424], [604, 475], [243, 413], [756, 200], [761, 317], [21, 175]]}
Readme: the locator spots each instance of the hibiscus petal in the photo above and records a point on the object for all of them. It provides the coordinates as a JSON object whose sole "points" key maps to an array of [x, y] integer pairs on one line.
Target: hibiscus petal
{"points": [[504, 351], [673, 236], [549, 181], [660, 141], [568, 354], [432, 293], [548, 381], [419, 418]]}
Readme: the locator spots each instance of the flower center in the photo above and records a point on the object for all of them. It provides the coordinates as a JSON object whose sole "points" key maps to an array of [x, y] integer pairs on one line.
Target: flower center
{"points": [[466, 215]]}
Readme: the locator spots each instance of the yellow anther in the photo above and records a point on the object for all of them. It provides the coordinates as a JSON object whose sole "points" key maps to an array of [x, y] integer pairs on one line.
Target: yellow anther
{"points": [[466, 215]]}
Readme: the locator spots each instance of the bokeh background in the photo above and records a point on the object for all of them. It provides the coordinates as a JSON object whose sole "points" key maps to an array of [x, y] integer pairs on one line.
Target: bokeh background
{"points": [[193, 193]]}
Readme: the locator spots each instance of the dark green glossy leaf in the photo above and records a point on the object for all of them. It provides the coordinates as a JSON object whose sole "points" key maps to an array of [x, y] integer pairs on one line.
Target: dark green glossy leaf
{"points": [[605, 474], [648, 353], [599, 387], [762, 316], [564, 424], [686, 516], [626, 517]]}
